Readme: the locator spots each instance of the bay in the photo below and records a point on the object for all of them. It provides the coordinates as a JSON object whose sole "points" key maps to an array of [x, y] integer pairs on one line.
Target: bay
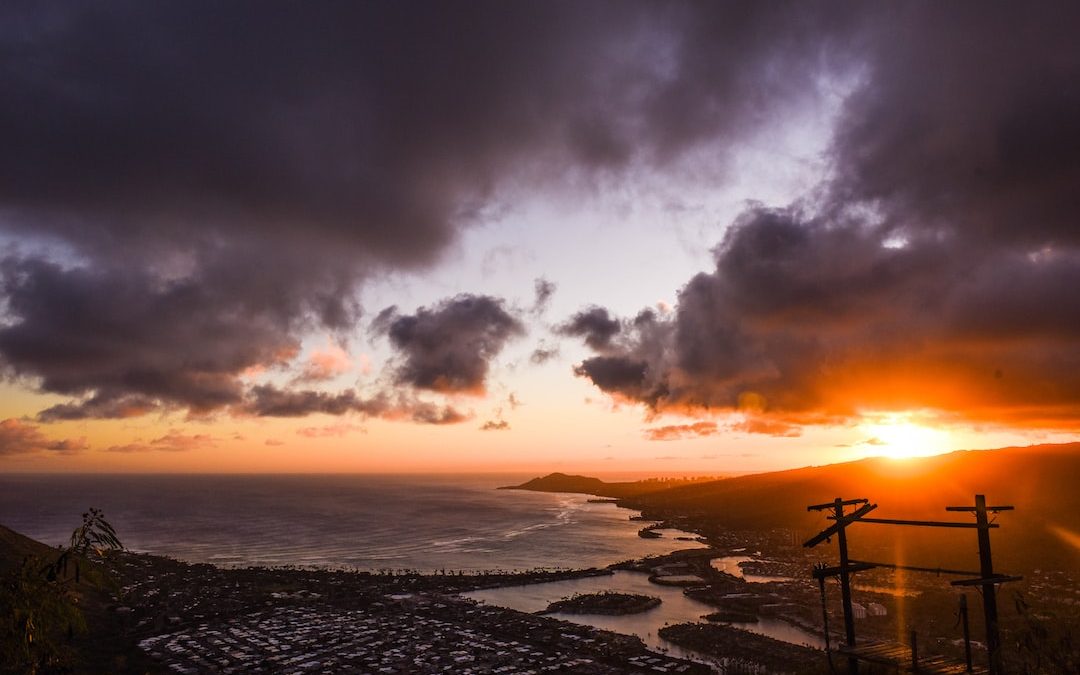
{"points": [[366, 522]]}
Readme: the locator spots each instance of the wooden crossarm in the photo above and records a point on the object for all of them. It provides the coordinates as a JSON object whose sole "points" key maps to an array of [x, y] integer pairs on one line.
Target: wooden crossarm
{"points": [[834, 528], [832, 504]]}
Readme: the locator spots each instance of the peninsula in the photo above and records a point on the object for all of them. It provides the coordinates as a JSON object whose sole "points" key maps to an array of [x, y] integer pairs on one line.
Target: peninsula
{"points": [[587, 485]]}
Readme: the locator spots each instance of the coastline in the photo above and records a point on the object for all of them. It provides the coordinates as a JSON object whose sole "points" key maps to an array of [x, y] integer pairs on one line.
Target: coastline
{"points": [[183, 614], [189, 617], [321, 595], [179, 615]]}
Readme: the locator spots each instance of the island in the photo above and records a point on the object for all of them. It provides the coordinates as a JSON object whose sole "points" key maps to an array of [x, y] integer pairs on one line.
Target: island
{"points": [[608, 602]]}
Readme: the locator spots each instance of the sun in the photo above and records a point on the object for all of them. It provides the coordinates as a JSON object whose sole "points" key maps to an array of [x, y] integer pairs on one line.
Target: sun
{"points": [[900, 438]]}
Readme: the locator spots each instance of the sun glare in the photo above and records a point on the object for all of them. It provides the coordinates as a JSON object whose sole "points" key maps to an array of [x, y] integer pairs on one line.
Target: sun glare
{"points": [[901, 438]]}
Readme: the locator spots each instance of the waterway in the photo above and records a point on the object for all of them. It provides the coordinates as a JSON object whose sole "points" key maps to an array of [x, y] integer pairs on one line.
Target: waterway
{"points": [[732, 564], [674, 608]]}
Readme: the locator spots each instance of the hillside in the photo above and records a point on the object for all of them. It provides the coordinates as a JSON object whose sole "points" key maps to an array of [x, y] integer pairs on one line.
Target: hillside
{"points": [[15, 547], [1042, 482]]}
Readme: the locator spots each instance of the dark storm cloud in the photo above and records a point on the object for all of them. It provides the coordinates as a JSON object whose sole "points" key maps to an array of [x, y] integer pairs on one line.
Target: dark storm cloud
{"points": [[594, 324], [371, 127], [968, 122], [125, 339], [936, 268], [447, 348], [616, 374], [808, 321], [218, 180], [271, 401], [214, 182], [99, 406]]}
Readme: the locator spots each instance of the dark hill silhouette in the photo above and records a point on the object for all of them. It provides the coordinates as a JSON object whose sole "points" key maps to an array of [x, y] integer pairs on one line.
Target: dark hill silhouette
{"points": [[561, 482], [1042, 482], [15, 547]]}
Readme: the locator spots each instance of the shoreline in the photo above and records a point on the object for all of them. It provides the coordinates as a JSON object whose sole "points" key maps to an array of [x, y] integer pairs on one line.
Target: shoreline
{"points": [[180, 615], [180, 612]]}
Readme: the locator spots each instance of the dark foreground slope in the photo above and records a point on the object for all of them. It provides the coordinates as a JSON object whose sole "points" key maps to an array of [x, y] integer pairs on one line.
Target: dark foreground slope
{"points": [[15, 547], [1042, 482], [93, 644]]}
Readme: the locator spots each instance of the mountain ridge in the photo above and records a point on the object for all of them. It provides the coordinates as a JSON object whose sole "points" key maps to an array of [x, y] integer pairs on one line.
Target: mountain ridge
{"points": [[1042, 482]]}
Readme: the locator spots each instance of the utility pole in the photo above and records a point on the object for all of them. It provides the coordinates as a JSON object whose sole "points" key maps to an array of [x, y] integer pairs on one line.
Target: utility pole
{"points": [[986, 569], [844, 570], [987, 579], [845, 584]]}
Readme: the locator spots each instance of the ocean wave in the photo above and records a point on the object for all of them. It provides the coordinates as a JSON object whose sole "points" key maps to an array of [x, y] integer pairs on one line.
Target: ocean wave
{"points": [[511, 534]]}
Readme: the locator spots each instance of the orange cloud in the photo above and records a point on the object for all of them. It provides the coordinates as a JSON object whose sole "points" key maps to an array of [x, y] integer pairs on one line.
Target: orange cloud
{"points": [[325, 364], [677, 432], [331, 430], [769, 426], [17, 437], [173, 441]]}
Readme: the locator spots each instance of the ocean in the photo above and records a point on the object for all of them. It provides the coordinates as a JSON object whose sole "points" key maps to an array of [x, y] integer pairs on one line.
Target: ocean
{"points": [[365, 522]]}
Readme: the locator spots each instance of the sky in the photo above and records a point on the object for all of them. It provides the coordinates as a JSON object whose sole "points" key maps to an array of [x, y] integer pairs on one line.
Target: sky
{"points": [[599, 237]]}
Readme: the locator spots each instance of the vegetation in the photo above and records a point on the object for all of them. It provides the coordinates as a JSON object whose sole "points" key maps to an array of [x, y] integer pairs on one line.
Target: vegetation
{"points": [[745, 652], [732, 615], [40, 601], [608, 602], [1044, 644]]}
